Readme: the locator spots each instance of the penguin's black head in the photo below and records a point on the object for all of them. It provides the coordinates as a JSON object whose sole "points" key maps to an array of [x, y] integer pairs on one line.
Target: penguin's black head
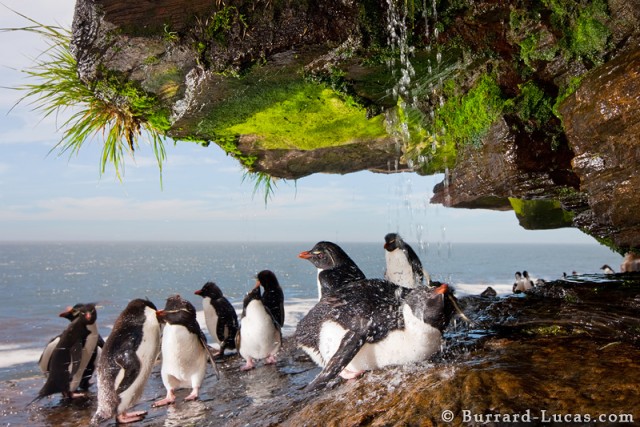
{"points": [[89, 312], [137, 306], [177, 311], [391, 242], [432, 305], [268, 280], [72, 313], [210, 290], [253, 294], [326, 255]]}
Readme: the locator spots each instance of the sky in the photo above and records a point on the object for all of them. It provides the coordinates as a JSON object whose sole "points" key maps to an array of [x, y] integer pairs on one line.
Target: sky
{"points": [[45, 196]]}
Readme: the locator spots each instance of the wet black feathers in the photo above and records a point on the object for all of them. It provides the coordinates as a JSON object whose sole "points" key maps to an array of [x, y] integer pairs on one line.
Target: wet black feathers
{"points": [[273, 296], [65, 358], [227, 325], [119, 351]]}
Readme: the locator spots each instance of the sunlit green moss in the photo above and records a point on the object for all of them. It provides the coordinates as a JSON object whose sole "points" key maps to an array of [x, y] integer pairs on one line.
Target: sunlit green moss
{"points": [[541, 214], [301, 115], [533, 105], [466, 118], [585, 34]]}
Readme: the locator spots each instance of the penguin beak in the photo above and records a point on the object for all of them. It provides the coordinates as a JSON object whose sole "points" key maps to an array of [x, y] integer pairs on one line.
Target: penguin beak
{"points": [[442, 289], [305, 255], [198, 292], [257, 284], [66, 313], [160, 315]]}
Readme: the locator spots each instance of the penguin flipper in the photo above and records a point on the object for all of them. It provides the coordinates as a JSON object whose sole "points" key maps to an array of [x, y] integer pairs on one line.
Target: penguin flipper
{"points": [[210, 355], [349, 346], [129, 364], [45, 357]]}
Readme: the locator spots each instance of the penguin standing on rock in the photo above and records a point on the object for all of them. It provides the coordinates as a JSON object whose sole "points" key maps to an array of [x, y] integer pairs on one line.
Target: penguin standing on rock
{"points": [[259, 336], [71, 355], [184, 350], [71, 314], [272, 297], [220, 316], [403, 265], [126, 362]]}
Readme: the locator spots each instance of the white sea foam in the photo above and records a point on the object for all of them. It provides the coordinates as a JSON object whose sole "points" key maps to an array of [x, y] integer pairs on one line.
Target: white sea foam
{"points": [[16, 356]]}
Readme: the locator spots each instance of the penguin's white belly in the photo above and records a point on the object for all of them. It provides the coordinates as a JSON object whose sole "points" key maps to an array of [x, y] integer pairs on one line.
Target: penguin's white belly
{"points": [[331, 334], [259, 337], [416, 342], [399, 270], [147, 353], [211, 319], [184, 360]]}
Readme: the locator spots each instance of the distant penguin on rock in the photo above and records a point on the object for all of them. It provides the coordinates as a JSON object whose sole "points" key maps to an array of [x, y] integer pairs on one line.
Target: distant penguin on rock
{"points": [[259, 336], [126, 362], [607, 270], [403, 267], [528, 282], [71, 314], [220, 316], [71, 355], [521, 284], [184, 350], [272, 297]]}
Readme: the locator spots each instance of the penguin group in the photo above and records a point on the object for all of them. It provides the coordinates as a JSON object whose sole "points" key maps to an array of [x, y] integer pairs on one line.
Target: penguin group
{"points": [[361, 324], [358, 324], [142, 333]]}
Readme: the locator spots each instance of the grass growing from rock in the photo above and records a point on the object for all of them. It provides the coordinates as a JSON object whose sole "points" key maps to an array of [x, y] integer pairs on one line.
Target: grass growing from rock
{"points": [[113, 110]]}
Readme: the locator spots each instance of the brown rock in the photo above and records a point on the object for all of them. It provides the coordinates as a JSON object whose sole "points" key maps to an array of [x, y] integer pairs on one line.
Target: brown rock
{"points": [[602, 122]]}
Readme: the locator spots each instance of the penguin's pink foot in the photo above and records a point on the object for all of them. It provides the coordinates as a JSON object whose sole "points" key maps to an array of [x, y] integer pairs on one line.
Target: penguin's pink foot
{"points": [[349, 375], [271, 360], [131, 417], [192, 396], [77, 394], [248, 366], [166, 401]]}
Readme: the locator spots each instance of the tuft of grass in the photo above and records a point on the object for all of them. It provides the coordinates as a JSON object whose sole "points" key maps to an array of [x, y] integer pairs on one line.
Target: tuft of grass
{"points": [[262, 181], [113, 109]]}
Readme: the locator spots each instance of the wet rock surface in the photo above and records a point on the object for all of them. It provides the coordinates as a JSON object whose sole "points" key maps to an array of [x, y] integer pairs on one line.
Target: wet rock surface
{"points": [[569, 348], [602, 122]]}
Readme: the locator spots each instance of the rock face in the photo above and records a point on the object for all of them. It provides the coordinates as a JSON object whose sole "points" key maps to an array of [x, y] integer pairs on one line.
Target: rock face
{"points": [[602, 122], [390, 88]]}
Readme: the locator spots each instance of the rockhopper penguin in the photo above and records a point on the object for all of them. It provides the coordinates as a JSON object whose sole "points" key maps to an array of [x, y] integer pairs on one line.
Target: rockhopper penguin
{"points": [[71, 314], [259, 336], [184, 350], [220, 316], [127, 358], [71, 355], [403, 265]]}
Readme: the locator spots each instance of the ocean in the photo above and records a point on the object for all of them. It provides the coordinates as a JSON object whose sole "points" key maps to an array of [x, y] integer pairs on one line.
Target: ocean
{"points": [[39, 280]]}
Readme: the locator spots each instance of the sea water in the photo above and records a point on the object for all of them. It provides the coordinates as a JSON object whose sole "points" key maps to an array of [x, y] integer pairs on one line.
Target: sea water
{"points": [[39, 280]]}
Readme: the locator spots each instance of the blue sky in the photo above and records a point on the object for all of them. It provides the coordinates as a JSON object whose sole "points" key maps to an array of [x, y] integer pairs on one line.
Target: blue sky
{"points": [[44, 196]]}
